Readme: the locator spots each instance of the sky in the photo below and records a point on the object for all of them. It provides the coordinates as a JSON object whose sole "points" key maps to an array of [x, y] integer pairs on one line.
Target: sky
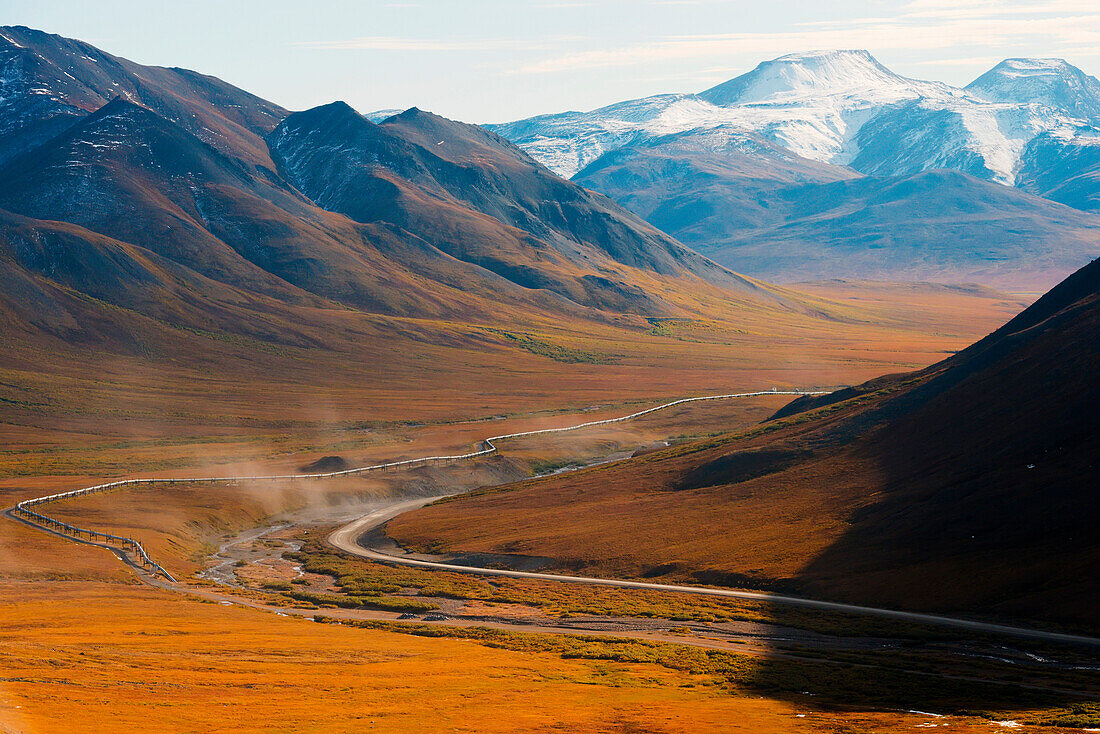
{"points": [[499, 60]]}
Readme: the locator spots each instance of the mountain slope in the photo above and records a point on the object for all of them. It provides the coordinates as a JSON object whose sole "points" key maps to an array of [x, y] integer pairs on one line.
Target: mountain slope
{"points": [[967, 486], [129, 174], [1067, 171], [47, 82], [1053, 83], [479, 199], [699, 186], [697, 166], [787, 219], [996, 450], [501, 180]]}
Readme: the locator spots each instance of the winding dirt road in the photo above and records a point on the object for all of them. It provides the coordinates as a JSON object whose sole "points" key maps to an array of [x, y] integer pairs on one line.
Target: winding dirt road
{"points": [[349, 536], [134, 552]]}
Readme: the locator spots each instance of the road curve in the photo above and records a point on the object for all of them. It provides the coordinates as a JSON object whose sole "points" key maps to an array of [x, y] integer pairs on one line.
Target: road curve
{"points": [[132, 550], [347, 539]]}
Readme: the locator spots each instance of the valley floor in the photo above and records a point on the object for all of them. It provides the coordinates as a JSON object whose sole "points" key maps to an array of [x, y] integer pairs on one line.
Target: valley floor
{"points": [[82, 646]]}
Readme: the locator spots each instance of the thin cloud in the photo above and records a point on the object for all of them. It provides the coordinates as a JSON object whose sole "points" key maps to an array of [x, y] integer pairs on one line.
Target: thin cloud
{"points": [[398, 43], [968, 61], [937, 28], [945, 8], [393, 43], [1077, 51]]}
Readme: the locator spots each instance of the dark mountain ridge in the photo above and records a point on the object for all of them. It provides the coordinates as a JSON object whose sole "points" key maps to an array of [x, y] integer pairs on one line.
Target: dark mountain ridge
{"points": [[990, 461], [479, 199], [48, 81], [128, 165]]}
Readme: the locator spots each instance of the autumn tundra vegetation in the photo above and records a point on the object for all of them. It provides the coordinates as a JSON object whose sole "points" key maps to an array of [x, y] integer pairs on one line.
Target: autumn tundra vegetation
{"points": [[199, 283]]}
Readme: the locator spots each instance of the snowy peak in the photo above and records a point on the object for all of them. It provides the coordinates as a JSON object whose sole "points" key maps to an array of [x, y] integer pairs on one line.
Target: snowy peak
{"points": [[817, 73], [1050, 82], [1025, 67], [380, 115]]}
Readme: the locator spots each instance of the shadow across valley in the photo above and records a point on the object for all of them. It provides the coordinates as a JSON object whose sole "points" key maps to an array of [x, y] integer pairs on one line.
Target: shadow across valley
{"points": [[984, 506]]}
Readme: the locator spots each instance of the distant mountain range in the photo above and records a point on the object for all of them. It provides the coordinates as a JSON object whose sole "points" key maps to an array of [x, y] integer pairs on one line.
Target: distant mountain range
{"points": [[412, 214], [726, 170], [847, 109], [179, 194]]}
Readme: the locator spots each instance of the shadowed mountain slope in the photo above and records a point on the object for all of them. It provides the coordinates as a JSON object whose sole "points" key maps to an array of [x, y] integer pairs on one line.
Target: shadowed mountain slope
{"points": [[967, 486], [131, 175], [988, 464], [47, 82], [479, 199], [1067, 171]]}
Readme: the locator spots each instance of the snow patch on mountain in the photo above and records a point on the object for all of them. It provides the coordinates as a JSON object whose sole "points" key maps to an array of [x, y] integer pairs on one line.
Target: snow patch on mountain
{"points": [[1052, 83], [852, 75], [842, 108], [379, 115]]}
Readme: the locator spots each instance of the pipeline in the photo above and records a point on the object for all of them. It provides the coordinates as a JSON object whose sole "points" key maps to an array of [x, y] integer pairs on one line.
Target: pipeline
{"points": [[132, 548]]}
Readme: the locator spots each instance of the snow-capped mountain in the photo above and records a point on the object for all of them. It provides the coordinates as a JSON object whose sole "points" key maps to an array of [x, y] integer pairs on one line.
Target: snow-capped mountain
{"points": [[766, 172], [1052, 83], [852, 77], [825, 165], [843, 108], [567, 142], [758, 209], [380, 115]]}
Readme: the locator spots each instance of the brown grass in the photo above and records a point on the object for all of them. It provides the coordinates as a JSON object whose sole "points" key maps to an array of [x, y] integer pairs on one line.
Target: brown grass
{"points": [[919, 494], [183, 396], [629, 520], [174, 400], [96, 657], [178, 524]]}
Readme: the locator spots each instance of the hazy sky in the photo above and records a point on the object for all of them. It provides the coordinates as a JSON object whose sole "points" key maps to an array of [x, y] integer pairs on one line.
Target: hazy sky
{"points": [[496, 60]]}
